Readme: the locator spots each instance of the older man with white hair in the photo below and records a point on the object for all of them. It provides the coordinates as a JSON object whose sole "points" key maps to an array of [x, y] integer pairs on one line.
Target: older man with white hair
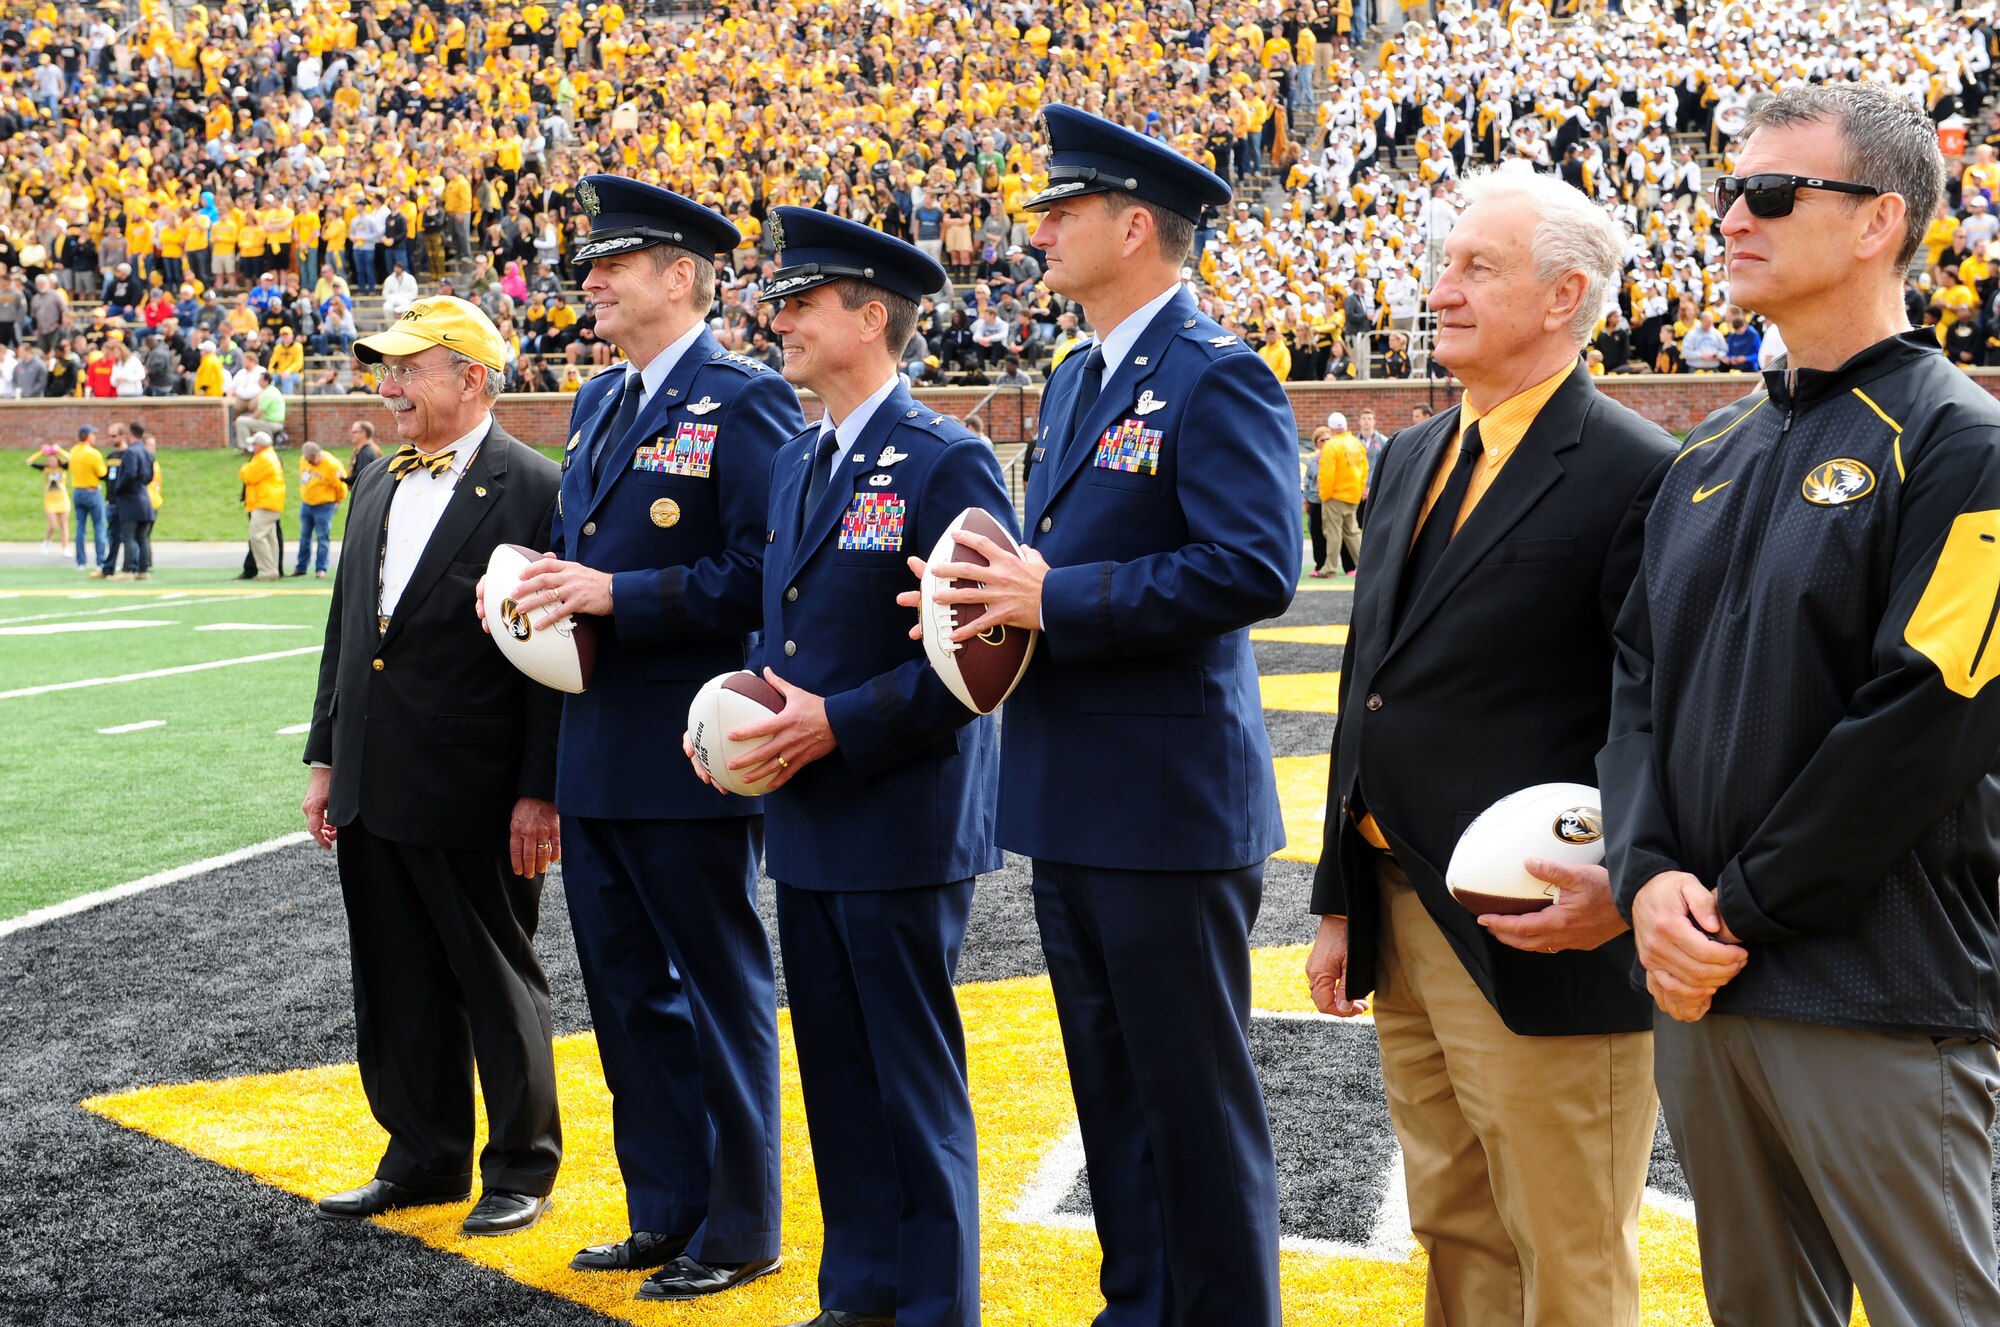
{"points": [[1502, 537]]}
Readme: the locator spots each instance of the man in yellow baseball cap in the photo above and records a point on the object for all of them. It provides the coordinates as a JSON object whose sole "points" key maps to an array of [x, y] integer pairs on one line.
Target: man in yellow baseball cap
{"points": [[441, 320]]}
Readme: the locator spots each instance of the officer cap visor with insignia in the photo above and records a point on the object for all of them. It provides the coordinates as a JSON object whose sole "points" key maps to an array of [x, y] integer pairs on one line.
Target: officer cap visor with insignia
{"points": [[1090, 155], [627, 214], [817, 247]]}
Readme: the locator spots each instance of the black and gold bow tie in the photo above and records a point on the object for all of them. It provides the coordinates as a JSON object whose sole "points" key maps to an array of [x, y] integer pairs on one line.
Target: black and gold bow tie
{"points": [[408, 458]]}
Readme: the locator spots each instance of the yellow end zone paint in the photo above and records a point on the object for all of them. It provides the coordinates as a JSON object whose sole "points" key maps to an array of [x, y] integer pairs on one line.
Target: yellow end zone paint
{"points": [[1312, 693], [308, 1132], [1302, 799], [1335, 634]]}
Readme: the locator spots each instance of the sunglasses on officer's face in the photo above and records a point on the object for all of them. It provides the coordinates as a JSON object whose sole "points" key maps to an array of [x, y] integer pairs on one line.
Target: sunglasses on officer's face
{"points": [[1775, 195]]}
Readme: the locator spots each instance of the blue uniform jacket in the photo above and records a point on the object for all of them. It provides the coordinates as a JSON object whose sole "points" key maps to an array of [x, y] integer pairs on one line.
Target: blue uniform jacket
{"points": [[131, 470], [906, 799], [678, 519], [1170, 520]]}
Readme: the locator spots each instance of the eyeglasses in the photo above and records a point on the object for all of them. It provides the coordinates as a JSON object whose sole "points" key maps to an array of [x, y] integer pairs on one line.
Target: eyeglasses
{"points": [[1775, 195], [400, 374]]}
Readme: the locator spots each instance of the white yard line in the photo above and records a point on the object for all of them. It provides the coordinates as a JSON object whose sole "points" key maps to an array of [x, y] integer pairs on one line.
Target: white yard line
{"points": [[140, 726], [71, 628], [19, 692], [296, 730], [152, 606], [85, 902]]}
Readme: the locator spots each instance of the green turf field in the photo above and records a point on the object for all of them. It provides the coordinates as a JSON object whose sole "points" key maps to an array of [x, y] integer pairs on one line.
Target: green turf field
{"points": [[81, 809], [202, 497]]}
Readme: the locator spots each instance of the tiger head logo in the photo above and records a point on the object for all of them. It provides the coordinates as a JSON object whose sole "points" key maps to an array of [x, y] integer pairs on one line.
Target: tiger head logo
{"points": [[1839, 481], [1580, 825], [515, 620]]}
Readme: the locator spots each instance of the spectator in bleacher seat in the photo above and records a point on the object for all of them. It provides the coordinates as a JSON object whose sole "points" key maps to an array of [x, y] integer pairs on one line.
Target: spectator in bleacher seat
{"points": [[1744, 343], [288, 362], [1705, 348], [161, 367], [1614, 342], [1396, 359], [399, 292], [31, 373], [266, 412], [322, 488], [123, 292], [128, 371]]}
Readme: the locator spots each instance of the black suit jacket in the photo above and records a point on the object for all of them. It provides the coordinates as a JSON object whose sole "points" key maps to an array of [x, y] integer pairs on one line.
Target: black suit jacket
{"points": [[1497, 677], [431, 733]]}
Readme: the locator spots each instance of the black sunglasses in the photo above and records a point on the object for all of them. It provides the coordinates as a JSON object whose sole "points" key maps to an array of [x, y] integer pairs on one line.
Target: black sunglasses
{"points": [[1774, 195]]}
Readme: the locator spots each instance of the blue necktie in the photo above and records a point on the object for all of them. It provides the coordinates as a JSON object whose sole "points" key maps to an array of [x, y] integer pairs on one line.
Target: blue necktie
{"points": [[822, 471], [1086, 394], [621, 422]]}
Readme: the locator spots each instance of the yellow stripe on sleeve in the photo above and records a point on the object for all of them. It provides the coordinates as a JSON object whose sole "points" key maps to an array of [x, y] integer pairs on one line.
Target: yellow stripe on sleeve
{"points": [[1954, 620]]}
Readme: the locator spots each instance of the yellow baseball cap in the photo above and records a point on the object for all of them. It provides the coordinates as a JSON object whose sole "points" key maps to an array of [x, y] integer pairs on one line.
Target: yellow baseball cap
{"points": [[441, 320]]}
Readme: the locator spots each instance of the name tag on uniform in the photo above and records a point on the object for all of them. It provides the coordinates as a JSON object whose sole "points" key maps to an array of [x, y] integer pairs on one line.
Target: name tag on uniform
{"points": [[873, 523], [690, 452], [1129, 446]]}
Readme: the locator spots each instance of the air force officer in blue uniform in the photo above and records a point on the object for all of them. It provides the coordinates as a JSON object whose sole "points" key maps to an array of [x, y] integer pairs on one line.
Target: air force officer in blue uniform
{"points": [[880, 812], [659, 535], [1136, 770]]}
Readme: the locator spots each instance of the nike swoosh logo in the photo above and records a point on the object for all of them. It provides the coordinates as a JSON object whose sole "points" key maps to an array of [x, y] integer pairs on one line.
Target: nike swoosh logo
{"points": [[1701, 494]]}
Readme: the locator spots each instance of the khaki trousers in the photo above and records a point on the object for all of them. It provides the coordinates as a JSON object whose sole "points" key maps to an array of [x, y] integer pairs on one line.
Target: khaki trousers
{"points": [[1341, 523], [1525, 1157], [264, 542]]}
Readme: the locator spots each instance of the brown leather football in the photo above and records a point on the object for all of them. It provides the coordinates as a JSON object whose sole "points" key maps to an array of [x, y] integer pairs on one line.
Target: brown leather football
{"points": [[984, 670]]}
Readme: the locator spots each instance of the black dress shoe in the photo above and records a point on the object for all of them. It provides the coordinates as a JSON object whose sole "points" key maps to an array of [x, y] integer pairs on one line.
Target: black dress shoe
{"points": [[644, 1248], [835, 1318], [689, 1278], [501, 1213], [378, 1196]]}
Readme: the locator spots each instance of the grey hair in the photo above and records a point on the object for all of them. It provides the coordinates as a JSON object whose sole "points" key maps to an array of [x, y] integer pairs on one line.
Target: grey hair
{"points": [[1887, 141], [494, 382], [1572, 234]]}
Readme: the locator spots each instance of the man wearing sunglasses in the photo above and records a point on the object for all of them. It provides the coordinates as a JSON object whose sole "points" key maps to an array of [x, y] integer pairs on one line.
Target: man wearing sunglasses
{"points": [[1798, 786]]}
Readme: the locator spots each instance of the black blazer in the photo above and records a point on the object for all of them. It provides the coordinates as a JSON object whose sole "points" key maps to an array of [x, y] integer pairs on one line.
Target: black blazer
{"points": [[1498, 677], [431, 733]]}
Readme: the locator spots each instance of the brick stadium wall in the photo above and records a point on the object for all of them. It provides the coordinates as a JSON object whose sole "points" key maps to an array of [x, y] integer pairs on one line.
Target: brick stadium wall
{"points": [[1006, 415]]}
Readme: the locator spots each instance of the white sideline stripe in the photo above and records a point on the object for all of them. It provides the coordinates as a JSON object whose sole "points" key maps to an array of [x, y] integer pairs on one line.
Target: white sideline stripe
{"points": [[157, 672], [65, 628], [85, 902], [152, 606], [132, 727], [295, 730], [253, 626]]}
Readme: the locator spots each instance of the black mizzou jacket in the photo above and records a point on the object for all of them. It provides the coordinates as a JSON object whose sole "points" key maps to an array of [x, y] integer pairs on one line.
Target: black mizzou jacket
{"points": [[1803, 713]]}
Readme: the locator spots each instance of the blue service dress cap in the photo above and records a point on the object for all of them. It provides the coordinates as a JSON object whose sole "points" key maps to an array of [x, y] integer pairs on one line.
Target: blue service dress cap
{"points": [[1091, 155], [626, 215], [817, 247]]}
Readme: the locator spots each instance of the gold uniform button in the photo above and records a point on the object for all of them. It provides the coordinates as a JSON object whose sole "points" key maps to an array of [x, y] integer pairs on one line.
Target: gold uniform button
{"points": [[1375, 702], [792, 594], [378, 665], [791, 648]]}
